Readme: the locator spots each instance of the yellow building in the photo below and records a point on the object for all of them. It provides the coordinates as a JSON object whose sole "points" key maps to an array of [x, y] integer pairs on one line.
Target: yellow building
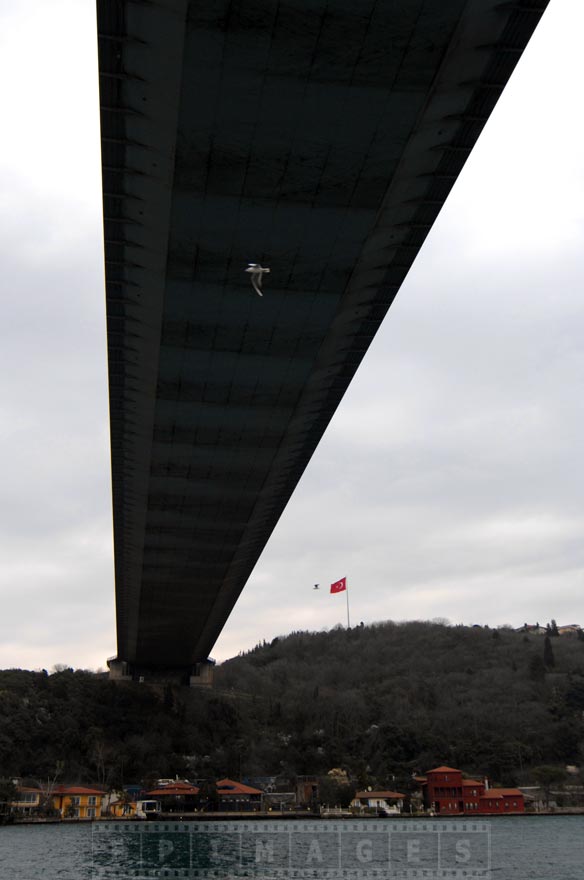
{"points": [[77, 802], [120, 808]]}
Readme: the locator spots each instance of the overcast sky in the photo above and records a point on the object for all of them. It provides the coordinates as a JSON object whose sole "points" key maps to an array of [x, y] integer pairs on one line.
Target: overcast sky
{"points": [[449, 484]]}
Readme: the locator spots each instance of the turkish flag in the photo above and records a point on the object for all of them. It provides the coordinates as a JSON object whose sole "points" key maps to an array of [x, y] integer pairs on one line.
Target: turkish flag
{"points": [[339, 586]]}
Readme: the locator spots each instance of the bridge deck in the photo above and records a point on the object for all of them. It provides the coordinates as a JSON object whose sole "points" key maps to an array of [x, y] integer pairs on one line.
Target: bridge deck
{"points": [[317, 139]]}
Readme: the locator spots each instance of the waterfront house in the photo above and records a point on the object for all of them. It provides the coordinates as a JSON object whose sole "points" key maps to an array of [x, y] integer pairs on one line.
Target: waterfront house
{"points": [[237, 797], [502, 800], [388, 801], [176, 796], [307, 790], [27, 800], [118, 805], [447, 793], [77, 801]]}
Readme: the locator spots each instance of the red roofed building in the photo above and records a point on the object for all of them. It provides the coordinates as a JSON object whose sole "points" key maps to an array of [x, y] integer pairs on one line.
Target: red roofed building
{"points": [[176, 797], [237, 797], [447, 793], [502, 800], [77, 801]]}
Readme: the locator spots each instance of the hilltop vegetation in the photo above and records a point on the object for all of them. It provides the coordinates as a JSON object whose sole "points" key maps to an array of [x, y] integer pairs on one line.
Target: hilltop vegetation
{"points": [[396, 698], [380, 701]]}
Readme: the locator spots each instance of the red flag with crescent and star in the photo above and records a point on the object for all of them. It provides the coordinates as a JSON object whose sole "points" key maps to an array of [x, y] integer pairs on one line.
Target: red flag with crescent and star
{"points": [[339, 586]]}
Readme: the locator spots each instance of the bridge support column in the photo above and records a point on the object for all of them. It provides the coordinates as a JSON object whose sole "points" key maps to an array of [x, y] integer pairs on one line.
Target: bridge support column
{"points": [[119, 670], [202, 674], [198, 675]]}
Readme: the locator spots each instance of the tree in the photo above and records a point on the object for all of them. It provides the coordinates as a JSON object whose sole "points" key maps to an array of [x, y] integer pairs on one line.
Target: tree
{"points": [[70, 810], [553, 631], [392, 699], [46, 806], [101, 757], [7, 797], [546, 776], [537, 668], [548, 653], [333, 793]]}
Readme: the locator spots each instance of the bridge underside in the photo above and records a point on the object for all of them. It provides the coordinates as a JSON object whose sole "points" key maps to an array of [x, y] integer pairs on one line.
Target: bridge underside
{"points": [[317, 139]]}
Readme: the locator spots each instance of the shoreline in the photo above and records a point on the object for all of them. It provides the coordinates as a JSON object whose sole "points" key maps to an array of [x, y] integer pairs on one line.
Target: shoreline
{"points": [[277, 816]]}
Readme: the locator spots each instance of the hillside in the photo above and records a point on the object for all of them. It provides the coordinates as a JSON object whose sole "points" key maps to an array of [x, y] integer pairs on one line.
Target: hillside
{"points": [[403, 697], [379, 701]]}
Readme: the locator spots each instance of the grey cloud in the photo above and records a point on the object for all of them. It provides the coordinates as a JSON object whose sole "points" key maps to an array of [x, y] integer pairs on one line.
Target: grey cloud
{"points": [[449, 482]]}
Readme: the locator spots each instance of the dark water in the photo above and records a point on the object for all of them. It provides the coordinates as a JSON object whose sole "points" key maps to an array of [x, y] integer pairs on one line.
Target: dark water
{"points": [[537, 848], [509, 848]]}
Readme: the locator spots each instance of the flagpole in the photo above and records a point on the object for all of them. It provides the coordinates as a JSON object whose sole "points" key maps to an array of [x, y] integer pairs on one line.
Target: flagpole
{"points": [[347, 592]]}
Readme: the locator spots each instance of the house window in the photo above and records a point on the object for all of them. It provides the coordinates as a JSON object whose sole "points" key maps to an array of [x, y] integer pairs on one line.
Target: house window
{"points": [[91, 812], [92, 800], [75, 801]]}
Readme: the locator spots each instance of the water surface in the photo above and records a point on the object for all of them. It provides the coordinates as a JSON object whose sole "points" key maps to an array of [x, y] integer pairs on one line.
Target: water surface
{"points": [[521, 848]]}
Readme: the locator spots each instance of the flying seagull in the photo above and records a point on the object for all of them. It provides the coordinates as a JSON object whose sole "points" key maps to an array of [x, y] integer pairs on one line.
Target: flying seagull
{"points": [[316, 587], [257, 273]]}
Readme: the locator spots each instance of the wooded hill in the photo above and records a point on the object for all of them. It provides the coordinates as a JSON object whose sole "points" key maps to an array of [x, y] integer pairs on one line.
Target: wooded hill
{"points": [[378, 701]]}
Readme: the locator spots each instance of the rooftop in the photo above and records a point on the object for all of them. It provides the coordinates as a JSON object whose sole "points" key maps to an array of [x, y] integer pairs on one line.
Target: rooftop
{"points": [[174, 788], [230, 786]]}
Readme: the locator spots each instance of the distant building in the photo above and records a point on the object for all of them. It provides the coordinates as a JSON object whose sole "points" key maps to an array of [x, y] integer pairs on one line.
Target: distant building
{"points": [[236, 797], [277, 791], [27, 800], [569, 629], [120, 805], [77, 801], [117, 806], [502, 800], [306, 790], [265, 783], [279, 800], [388, 801], [447, 793], [176, 796]]}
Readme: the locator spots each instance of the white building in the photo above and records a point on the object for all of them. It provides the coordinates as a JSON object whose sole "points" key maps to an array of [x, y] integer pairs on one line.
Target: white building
{"points": [[389, 801]]}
